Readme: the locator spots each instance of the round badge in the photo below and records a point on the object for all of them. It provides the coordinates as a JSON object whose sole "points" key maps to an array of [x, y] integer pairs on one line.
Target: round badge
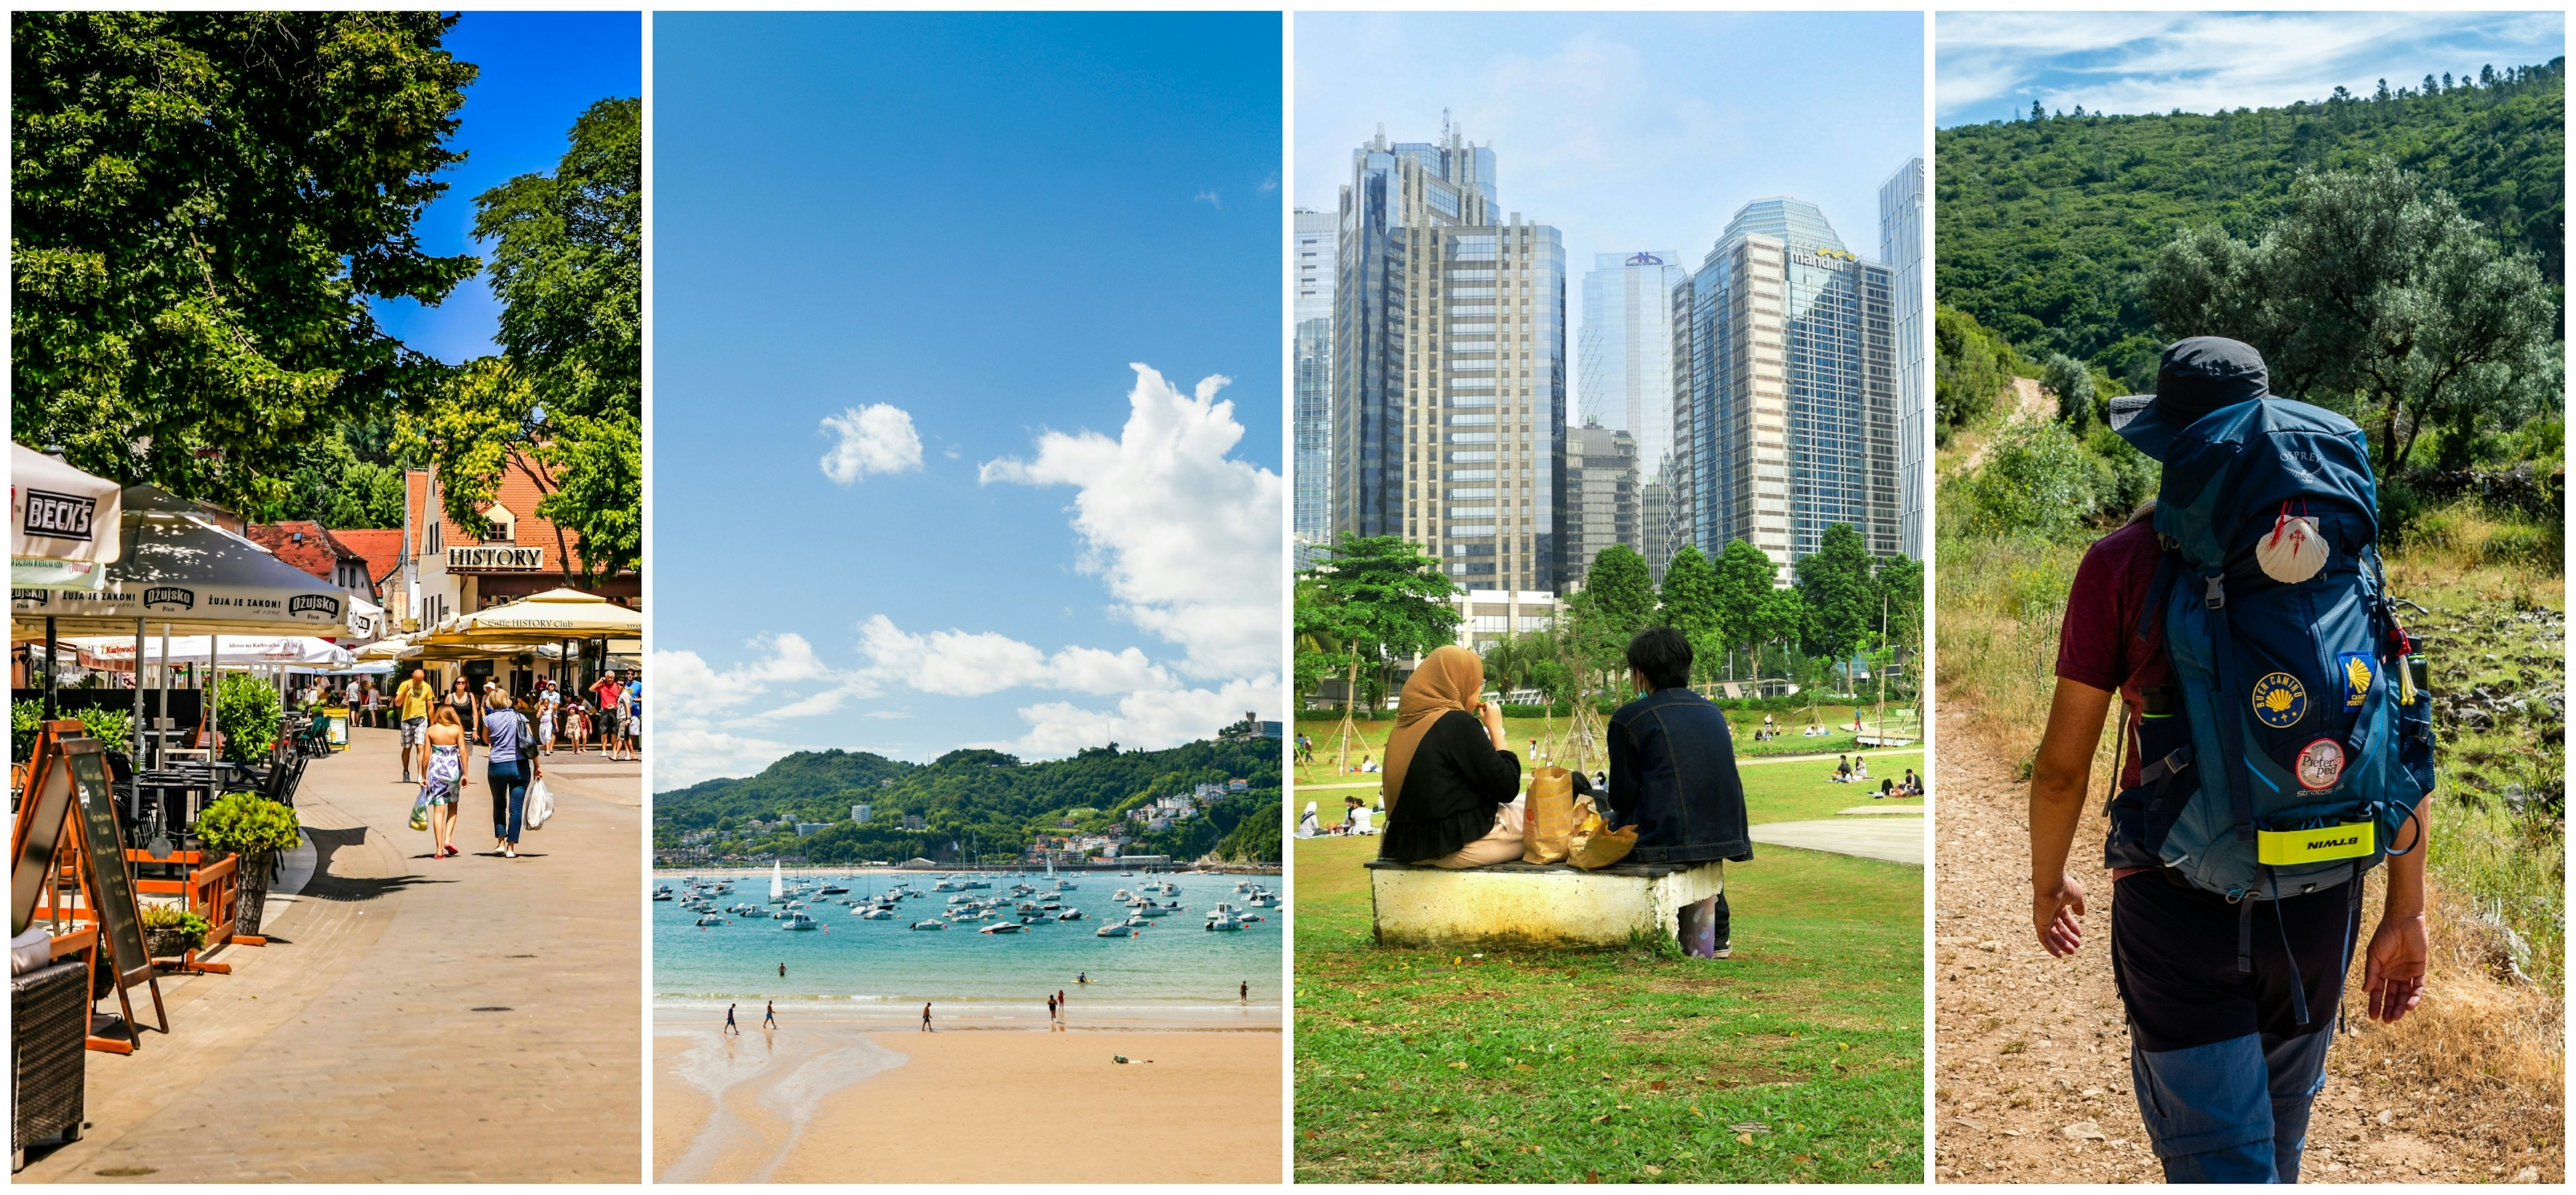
{"points": [[2280, 701], [2320, 764]]}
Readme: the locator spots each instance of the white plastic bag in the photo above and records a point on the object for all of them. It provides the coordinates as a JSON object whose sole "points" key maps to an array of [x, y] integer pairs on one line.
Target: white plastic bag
{"points": [[539, 805]]}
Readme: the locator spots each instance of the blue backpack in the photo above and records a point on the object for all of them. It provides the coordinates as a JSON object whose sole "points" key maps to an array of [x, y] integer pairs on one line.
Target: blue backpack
{"points": [[2297, 739]]}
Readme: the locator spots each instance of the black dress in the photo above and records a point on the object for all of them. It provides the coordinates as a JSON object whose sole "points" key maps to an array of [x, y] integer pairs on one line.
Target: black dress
{"points": [[1456, 781]]}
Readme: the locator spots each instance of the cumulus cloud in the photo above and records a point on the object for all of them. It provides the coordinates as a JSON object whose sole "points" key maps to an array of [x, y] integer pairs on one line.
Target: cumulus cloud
{"points": [[972, 664], [876, 438], [1185, 536], [1149, 720]]}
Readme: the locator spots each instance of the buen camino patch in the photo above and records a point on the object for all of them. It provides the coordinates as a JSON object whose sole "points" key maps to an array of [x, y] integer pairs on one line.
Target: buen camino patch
{"points": [[2280, 701]]}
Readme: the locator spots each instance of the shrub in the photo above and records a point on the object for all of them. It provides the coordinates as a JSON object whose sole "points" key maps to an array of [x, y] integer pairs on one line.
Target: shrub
{"points": [[2130, 477], [247, 714], [179, 918], [26, 720], [111, 726], [247, 824], [2037, 480]]}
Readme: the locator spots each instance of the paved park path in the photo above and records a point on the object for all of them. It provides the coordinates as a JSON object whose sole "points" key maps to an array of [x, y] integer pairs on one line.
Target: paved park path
{"points": [[1896, 838], [475, 1019]]}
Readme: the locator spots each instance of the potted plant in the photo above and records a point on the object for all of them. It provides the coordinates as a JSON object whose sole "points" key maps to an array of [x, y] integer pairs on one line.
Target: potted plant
{"points": [[252, 828], [172, 930], [247, 712]]}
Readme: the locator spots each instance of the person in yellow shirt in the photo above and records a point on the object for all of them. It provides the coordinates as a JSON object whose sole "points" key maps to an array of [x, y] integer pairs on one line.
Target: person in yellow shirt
{"points": [[411, 703]]}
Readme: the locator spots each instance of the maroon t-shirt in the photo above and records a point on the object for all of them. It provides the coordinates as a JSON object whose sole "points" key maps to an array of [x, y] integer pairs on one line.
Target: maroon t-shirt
{"points": [[2098, 644]]}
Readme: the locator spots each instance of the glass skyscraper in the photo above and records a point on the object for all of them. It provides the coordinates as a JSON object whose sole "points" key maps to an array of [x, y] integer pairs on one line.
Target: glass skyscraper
{"points": [[1788, 342], [1313, 248], [1448, 366], [1900, 245], [1624, 356]]}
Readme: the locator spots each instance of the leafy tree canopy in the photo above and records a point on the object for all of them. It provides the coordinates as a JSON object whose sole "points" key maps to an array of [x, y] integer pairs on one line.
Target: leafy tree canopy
{"points": [[1841, 600], [203, 205]]}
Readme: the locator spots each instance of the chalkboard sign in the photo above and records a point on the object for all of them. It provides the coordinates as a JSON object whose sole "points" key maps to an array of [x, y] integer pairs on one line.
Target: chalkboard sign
{"points": [[120, 919], [41, 826]]}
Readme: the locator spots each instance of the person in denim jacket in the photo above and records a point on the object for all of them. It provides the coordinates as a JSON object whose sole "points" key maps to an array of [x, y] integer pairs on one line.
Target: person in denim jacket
{"points": [[1672, 775]]}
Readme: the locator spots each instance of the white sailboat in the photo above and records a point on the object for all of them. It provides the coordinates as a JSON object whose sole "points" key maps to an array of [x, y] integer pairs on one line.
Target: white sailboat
{"points": [[777, 884]]}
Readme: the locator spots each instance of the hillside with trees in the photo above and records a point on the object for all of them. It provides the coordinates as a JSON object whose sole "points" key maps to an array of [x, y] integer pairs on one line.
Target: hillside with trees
{"points": [[2047, 225], [983, 801]]}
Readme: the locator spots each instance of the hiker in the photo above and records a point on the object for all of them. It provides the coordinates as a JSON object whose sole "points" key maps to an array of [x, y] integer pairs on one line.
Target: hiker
{"points": [[1672, 775], [1450, 783], [2233, 928]]}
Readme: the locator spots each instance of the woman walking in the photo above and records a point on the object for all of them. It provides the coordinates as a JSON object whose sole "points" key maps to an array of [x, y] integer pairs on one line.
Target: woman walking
{"points": [[468, 707], [444, 752], [510, 766], [549, 705]]}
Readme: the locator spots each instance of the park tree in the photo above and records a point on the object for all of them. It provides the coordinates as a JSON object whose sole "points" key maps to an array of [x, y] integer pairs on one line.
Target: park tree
{"points": [[1623, 592], [1779, 617], [204, 206], [1842, 602], [562, 404], [1688, 602], [1381, 599], [2375, 294], [1746, 578]]}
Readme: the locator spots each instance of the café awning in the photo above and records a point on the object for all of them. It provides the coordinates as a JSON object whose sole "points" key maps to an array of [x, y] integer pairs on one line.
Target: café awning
{"points": [[116, 653], [62, 523], [178, 569], [554, 614]]}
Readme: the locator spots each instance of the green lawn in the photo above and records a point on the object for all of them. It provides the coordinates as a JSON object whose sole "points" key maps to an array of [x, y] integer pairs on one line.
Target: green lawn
{"points": [[1372, 736], [1564, 1066], [1784, 790]]}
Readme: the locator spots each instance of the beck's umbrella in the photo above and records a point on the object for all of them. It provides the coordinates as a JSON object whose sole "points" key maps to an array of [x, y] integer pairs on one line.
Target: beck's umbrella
{"points": [[180, 571], [62, 523]]}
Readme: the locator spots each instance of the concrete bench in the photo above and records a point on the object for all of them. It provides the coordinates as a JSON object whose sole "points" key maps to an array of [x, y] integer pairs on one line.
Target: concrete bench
{"points": [[1527, 904]]}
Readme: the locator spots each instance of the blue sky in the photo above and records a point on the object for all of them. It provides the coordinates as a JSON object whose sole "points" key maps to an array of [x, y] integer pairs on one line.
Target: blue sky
{"points": [[1993, 65], [1626, 131], [540, 71], [909, 494]]}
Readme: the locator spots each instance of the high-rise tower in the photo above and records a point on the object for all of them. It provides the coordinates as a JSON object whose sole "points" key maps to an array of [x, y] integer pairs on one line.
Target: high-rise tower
{"points": [[1624, 354], [1313, 246], [1900, 245]]}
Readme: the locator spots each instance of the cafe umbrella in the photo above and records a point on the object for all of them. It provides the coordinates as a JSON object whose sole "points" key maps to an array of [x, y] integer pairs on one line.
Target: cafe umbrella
{"points": [[178, 569], [62, 533], [556, 614]]}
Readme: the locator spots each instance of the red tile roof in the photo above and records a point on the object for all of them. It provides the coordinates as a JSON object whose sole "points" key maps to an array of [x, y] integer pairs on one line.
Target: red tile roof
{"points": [[517, 493], [304, 544], [381, 546]]}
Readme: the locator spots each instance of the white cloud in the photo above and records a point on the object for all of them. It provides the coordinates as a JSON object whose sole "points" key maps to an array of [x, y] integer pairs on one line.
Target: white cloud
{"points": [[1186, 537], [1147, 720], [686, 752], [973, 664], [876, 438], [1207, 196]]}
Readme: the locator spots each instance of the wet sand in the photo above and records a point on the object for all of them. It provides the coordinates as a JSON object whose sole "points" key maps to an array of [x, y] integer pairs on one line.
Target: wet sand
{"points": [[850, 1101]]}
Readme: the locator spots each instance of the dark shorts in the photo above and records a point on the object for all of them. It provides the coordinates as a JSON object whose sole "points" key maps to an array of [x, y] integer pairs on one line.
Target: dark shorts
{"points": [[2173, 953]]}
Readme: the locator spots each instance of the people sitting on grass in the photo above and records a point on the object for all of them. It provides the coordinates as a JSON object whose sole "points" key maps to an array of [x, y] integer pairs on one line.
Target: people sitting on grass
{"points": [[1451, 782], [1886, 789], [1355, 817], [1307, 824], [1672, 775], [1842, 770], [1860, 769], [1368, 765], [1913, 784], [1813, 731]]}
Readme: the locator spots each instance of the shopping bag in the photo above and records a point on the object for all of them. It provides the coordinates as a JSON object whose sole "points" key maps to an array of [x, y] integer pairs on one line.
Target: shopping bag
{"points": [[1594, 844], [1548, 816], [537, 806], [420, 809]]}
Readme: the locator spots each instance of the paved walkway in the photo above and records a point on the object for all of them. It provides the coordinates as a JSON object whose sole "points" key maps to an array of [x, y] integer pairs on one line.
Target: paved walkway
{"points": [[475, 1019], [1894, 839]]}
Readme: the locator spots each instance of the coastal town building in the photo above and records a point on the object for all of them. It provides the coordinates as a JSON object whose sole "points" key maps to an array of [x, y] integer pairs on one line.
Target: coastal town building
{"points": [[448, 570]]}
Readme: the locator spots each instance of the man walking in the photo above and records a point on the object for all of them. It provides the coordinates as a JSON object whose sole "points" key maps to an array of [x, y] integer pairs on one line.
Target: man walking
{"points": [[411, 703], [2231, 999], [769, 1019], [730, 1027], [630, 721], [925, 1016], [610, 695]]}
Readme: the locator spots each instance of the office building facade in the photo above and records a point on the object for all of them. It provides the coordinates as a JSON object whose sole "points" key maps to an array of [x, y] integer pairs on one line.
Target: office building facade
{"points": [[1900, 246], [1624, 354], [1792, 425], [1313, 248], [1448, 366], [1600, 497]]}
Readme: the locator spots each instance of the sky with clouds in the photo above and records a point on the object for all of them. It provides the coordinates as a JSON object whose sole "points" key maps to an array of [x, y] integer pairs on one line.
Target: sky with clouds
{"points": [[539, 71], [967, 368], [1992, 65], [1627, 131]]}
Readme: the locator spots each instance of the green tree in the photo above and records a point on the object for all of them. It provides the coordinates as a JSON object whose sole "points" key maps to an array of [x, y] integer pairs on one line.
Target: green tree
{"points": [[2376, 294], [2036, 479], [1746, 579], [204, 206], [1971, 367], [1689, 602], [1382, 599], [2072, 383], [1842, 603], [1780, 617], [1623, 592], [563, 402]]}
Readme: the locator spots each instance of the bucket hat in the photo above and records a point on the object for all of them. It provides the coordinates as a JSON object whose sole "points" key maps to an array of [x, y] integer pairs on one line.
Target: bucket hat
{"points": [[2198, 375]]}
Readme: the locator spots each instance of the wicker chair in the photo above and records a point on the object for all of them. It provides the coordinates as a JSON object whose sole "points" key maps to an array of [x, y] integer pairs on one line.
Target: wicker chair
{"points": [[48, 1048]]}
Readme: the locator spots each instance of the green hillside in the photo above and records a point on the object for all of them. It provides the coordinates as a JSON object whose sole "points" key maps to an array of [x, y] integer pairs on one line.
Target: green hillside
{"points": [[994, 800], [2045, 226]]}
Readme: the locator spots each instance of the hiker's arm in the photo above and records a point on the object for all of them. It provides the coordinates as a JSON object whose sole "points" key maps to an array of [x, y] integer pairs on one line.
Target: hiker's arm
{"points": [[2394, 974], [2059, 776]]}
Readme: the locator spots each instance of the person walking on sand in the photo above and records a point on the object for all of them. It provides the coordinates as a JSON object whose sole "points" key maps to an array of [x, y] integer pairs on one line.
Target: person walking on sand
{"points": [[445, 752], [2232, 994], [1672, 775], [411, 702], [730, 1027], [1050, 1001], [1243, 993], [925, 1016], [769, 1018]]}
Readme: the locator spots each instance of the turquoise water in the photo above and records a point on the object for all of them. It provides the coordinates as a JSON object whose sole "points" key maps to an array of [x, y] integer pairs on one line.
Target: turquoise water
{"points": [[1174, 969]]}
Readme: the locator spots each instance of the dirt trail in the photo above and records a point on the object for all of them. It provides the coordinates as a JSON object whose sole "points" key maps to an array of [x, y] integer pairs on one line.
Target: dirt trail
{"points": [[2030, 404], [2032, 1082]]}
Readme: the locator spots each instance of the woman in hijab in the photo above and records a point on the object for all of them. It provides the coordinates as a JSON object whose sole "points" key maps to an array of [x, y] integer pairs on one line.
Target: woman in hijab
{"points": [[1308, 826], [1449, 779]]}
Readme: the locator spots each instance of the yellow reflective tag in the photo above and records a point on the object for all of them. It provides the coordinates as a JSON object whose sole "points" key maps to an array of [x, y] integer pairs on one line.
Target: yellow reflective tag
{"points": [[2281, 848]]}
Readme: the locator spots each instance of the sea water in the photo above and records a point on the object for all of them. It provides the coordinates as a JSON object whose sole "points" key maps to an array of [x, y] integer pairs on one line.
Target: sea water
{"points": [[1176, 971]]}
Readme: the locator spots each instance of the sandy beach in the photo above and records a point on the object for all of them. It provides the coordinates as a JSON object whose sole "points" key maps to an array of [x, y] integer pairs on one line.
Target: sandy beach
{"points": [[846, 1101]]}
